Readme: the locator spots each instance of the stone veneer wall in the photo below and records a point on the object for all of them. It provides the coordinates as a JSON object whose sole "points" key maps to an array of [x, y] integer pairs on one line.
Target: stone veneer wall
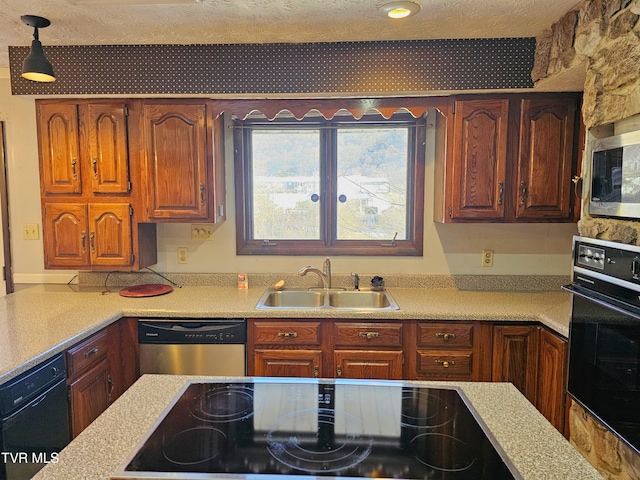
{"points": [[608, 454], [599, 39]]}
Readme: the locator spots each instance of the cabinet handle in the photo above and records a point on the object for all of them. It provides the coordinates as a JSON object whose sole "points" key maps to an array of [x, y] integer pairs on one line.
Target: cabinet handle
{"points": [[92, 241], [523, 188], [91, 352], [446, 336], [339, 370], [316, 371], [110, 383], [369, 334], [83, 237], [94, 165], [445, 363], [500, 192], [73, 168], [202, 194], [288, 334]]}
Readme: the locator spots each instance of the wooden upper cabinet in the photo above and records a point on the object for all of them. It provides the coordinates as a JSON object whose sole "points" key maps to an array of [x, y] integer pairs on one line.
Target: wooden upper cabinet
{"points": [[59, 147], [479, 159], [65, 239], [110, 234], [545, 158], [81, 235], [510, 158], [179, 159], [106, 125]]}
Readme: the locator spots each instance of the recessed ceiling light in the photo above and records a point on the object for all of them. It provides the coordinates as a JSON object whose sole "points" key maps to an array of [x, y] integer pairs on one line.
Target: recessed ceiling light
{"points": [[399, 9]]}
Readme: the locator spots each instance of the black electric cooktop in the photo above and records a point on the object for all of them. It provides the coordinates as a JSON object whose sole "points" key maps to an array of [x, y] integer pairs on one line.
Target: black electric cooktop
{"points": [[302, 427]]}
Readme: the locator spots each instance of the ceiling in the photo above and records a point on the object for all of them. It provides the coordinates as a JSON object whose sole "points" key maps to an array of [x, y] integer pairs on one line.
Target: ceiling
{"points": [[268, 21]]}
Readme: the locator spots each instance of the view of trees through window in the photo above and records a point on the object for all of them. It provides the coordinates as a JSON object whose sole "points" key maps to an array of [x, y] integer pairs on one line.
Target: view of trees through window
{"points": [[290, 181]]}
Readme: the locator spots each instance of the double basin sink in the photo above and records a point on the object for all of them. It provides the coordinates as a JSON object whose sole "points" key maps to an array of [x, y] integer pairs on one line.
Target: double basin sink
{"points": [[315, 299]]}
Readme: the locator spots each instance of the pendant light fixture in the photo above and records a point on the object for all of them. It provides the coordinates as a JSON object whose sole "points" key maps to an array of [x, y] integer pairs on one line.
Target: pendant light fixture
{"points": [[36, 67]]}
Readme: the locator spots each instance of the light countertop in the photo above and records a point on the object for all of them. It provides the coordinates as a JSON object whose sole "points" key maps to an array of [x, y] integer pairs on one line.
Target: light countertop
{"points": [[39, 321], [532, 445]]}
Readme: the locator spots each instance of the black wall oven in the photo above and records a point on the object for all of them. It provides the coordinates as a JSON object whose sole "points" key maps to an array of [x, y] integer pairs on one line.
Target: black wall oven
{"points": [[604, 339]]}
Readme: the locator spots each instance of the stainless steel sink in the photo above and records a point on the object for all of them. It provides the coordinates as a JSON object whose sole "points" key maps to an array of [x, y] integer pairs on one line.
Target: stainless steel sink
{"points": [[291, 299], [360, 299], [313, 299]]}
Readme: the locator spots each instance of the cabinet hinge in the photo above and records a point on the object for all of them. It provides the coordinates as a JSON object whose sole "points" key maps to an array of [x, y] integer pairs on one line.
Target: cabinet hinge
{"points": [[126, 110], [571, 211], [453, 107], [130, 211], [128, 187], [133, 258], [403, 358], [69, 394], [450, 212]]}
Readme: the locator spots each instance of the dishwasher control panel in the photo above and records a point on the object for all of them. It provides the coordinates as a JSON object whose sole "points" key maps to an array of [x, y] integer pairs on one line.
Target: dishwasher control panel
{"points": [[181, 331]]}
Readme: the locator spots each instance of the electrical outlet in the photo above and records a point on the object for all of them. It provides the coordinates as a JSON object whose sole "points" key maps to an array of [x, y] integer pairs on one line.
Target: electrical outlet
{"points": [[30, 231], [202, 231], [183, 255], [487, 258]]}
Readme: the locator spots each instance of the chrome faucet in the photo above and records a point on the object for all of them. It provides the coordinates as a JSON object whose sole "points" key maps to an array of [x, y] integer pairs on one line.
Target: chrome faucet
{"points": [[325, 274], [356, 281]]}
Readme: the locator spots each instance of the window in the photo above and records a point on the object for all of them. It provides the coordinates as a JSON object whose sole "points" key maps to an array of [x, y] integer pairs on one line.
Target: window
{"points": [[330, 187]]}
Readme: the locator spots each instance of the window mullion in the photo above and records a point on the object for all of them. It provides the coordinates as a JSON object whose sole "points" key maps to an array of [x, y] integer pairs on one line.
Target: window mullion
{"points": [[332, 184]]}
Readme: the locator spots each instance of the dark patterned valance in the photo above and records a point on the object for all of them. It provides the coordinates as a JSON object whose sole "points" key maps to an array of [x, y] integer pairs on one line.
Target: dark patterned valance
{"points": [[347, 68]]}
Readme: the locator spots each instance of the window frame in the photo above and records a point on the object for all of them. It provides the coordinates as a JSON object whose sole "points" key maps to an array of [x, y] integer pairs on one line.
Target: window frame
{"points": [[328, 244]]}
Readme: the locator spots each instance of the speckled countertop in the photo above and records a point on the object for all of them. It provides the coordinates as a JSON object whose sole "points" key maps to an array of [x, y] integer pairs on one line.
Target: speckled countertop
{"points": [[532, 445], [41, 320]]}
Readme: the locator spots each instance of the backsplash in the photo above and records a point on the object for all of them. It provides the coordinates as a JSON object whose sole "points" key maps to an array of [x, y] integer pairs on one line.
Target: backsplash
{"points": [[461, 282]]}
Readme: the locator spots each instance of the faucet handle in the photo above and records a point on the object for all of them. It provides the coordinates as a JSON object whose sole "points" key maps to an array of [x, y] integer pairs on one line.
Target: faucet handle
{"points": [[356, 281]]}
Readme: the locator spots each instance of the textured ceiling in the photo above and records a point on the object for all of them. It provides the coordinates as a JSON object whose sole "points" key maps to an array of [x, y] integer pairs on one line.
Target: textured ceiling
{"points": [[268, 21]]}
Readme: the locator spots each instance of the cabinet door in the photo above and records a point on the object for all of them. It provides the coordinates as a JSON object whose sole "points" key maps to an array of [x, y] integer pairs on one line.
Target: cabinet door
{"points": [[479, 159], [287, 363], [551, 378], [177, 151], [545, 158], [89, 395], [515, 357], [106, 126], [371, 364], [110, 234], [65, 235], [59, 148]]}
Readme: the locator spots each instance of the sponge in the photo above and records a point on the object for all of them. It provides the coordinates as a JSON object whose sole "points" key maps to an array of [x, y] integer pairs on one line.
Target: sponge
{"points": [[279, 285]]}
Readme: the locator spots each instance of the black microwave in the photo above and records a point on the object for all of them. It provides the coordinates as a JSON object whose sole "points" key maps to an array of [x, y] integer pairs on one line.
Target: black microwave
{"points": [[615, 176]]}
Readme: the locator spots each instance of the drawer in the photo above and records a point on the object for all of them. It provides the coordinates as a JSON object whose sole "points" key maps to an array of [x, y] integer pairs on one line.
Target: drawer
{"points": [[444, 363], [368, 334], [287, 333], [445, 335], [87, 353]]}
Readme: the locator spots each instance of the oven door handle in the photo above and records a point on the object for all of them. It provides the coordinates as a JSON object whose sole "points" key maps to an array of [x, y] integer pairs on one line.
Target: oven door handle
{"points": [[599, 299]]}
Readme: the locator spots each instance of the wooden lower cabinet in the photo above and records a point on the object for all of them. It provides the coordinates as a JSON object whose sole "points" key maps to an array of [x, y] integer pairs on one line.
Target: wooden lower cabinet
{"points": [[99, 370], [287, 363], [450, 351], [90, 395], [535, 361], [371, 364]]}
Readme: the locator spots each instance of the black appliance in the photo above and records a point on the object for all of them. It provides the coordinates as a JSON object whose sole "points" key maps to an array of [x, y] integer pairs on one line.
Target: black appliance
{"points": [[34, 414], [197, 346], [294, 428], [604, 338]]}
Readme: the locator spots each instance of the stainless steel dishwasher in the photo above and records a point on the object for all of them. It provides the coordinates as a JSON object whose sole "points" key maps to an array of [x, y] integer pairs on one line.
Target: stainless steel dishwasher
{"points": [[193, 346]]}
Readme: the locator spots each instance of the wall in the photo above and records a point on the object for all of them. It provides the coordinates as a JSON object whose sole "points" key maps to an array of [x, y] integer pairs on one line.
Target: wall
{"points": [[532, 249]]}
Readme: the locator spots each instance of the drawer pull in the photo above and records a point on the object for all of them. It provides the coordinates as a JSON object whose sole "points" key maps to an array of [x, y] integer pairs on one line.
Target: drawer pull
{"points": [[369, 334], [446, 336], [91, 352], [316, 371], [288, 334], [339, 370], [110, 383], [445, 363]]}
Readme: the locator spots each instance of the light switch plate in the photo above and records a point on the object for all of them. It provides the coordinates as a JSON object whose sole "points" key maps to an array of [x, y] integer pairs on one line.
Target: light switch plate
{"points": [[30, 231], [202, 231]]}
